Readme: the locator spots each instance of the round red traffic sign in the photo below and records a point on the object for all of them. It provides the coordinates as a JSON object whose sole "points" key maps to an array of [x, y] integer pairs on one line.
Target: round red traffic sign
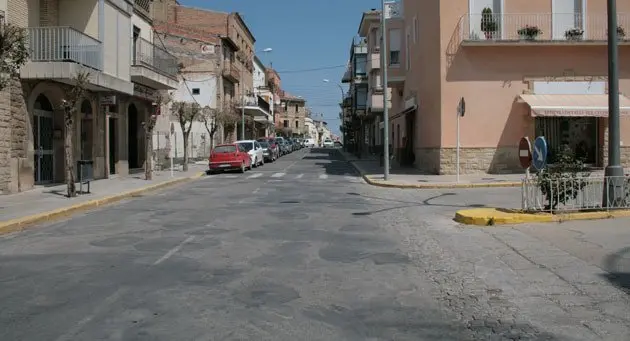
{"points": [[525, 152]]}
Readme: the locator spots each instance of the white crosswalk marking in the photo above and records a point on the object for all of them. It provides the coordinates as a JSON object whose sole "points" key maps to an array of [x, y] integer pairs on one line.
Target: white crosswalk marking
{"points": [[323, 176], [299, 176], [350, 178], [278, 175], [255, 175], [231, 176]]}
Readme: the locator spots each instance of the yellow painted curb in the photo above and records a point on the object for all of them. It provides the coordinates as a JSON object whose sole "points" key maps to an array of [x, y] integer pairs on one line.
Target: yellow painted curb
{"points": [[496, 216], [382, 183], [19, 224]]}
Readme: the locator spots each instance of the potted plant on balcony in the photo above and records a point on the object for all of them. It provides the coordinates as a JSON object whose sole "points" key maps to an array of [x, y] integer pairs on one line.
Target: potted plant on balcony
{"points": [[529, 32], [488, 24], [574, 34]]}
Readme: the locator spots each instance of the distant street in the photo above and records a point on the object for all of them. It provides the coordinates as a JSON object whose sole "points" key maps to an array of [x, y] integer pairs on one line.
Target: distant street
{"points": [[299, 249]]}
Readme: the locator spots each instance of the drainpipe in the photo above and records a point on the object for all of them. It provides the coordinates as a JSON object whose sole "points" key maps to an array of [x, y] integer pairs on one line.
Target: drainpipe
{"points": [[101, 30]]}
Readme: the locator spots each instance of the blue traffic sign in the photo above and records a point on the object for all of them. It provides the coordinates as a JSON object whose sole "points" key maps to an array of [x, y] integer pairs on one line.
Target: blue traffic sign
{"points": [[539, 155]]}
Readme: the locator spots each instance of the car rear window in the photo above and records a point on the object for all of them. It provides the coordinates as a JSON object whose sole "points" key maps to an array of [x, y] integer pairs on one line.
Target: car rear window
{"points": [[225, 149], [247, 146], [264, 144]]}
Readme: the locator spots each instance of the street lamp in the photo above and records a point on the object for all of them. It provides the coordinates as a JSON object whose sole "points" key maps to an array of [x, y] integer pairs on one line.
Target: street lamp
{"points": [[613, 186], [266, 50], [342, 96]]}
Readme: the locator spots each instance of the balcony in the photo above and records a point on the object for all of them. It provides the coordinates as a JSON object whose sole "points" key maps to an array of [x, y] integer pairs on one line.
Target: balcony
{"points": [[59, 52], [143, 7], [153, 66], [375, 101], [374, 60], [231, 72], [258, 108], [555, 29]]}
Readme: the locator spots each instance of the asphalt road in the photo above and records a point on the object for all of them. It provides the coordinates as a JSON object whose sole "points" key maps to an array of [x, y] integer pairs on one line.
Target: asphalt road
{"points": [[299, 249]]}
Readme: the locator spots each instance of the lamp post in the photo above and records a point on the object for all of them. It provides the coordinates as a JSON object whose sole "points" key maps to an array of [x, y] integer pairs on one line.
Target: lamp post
{"points": [[385, 109], [267, 50], [613, 181], [343, 121]]}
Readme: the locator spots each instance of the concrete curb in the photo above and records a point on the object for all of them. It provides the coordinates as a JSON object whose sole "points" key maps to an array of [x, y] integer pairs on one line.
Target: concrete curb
{"points": [[19, 224], [383, 183], [495, 216]]}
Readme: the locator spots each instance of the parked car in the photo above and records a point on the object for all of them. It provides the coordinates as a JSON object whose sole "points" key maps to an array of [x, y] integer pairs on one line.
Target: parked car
{"points": [[229, 157], [328, 143], [270, 154], [338, 144], [273, 145], [310, 143], [255, 151], [281, 148]]}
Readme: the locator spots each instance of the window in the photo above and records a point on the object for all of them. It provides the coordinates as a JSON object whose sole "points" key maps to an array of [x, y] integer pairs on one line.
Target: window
{"points": [[394, 46], [286, 123], [407, 52], [360, 63], [196, 91], [415, 30], [361, 97], [297, 124], [297, 109]]}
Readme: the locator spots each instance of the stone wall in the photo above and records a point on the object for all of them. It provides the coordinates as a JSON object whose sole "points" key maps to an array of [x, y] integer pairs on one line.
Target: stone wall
{"points": [[16, 149], [502, 160]]}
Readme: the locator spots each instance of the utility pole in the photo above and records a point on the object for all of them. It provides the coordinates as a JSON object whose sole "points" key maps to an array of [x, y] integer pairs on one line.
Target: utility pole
{"points": [[242, 103], [385, 88], [613, 183]]}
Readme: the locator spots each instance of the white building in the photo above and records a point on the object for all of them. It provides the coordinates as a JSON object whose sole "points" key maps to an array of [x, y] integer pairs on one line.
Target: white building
{"points": [[260, 103], [311, 130]]}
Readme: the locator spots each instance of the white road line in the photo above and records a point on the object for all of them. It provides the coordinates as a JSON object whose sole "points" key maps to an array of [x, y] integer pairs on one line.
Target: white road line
{"points": [[231, 176], [174, 250], [256, 190], [350, 178], [323, 176], [111, 299], [255, 175], [299, 176], [278, 175]]}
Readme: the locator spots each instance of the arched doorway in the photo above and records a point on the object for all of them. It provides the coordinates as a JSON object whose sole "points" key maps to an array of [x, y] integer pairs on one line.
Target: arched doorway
{"points": [[132, 141], [87, 130], [43, 134]]}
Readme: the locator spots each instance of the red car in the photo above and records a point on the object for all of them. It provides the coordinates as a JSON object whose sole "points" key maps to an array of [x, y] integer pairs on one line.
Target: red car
{"points": [[229, 157]]}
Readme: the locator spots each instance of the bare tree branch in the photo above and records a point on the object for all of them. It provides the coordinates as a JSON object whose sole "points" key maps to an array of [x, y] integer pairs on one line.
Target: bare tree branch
{"points": [[13, 52]]}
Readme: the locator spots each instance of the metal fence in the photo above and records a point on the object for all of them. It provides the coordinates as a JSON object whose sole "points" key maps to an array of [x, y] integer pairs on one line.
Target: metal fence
{"points": [[571, 194], [167, 146], [62, 44]]}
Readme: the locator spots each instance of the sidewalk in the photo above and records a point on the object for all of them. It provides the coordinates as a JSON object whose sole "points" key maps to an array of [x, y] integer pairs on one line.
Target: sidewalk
{"points": [[49, 202], [399, 177]]}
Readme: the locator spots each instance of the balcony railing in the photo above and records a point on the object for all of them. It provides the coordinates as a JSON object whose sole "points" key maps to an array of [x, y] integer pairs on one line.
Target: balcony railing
{"points": [[143, 5], [64, 44], [553, 27], [257, 101], [154, 57]]}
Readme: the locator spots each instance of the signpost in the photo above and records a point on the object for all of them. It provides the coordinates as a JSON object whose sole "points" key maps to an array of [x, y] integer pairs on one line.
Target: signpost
{"points": [[172, 144], [525, 154], [461, 110], [539, 155]]}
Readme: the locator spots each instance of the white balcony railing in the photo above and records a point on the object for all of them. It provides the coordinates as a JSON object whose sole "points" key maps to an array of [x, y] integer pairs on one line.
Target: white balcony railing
{"points": [[552, 27], [64, 44]]}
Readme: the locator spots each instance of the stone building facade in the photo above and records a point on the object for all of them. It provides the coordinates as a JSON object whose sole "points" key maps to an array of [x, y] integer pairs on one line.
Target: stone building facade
{"points": [[292, 114]]}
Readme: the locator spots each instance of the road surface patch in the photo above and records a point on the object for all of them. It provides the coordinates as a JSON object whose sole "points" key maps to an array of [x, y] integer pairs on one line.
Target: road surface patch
{"points": [[499, 216], [19, 224]]}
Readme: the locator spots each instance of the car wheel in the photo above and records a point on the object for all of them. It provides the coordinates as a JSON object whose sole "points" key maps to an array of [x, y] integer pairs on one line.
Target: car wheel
{"points": [[243, 169]]}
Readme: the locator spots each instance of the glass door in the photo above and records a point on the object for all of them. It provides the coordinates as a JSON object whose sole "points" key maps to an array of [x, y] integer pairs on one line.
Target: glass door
{"points": [[43, 136]]}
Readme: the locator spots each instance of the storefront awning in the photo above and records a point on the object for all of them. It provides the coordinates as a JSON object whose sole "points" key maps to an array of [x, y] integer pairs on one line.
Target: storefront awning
{"points": [[573, 105]]}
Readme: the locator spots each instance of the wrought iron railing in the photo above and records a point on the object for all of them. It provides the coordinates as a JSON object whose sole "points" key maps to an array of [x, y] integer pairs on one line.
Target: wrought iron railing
{"points": [[152, 56], [575, 193], [64, 44], [540, 27]]}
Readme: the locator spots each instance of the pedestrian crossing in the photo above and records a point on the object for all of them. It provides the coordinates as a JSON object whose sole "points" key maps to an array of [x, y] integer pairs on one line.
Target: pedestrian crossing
{"points": [[283, 176]]}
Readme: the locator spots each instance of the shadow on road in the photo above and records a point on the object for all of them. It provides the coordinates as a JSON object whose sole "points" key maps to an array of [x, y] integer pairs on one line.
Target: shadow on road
{"points": [[618, 267]]}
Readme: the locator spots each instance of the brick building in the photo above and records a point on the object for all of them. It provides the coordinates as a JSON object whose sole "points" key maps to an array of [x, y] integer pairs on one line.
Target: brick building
{"points": [[292, 114]]}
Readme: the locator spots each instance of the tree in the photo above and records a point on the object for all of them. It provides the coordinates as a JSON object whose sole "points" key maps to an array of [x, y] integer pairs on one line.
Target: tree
{"points": [[73, 95], [149, 126], [564, 181], [213, 119], [13, 52], [187, 114]]}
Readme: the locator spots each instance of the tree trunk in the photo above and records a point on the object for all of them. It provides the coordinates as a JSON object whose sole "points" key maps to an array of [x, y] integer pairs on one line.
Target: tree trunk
{"points": [[69, 158], [148, 163], [185, 163]]}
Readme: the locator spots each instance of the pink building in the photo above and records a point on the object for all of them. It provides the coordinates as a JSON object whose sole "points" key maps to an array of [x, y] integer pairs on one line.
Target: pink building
{"points": [[524, 68]]}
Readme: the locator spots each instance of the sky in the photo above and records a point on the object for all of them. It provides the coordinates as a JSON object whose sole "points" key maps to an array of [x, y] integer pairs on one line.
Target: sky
{"points": [[304, 35]]}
